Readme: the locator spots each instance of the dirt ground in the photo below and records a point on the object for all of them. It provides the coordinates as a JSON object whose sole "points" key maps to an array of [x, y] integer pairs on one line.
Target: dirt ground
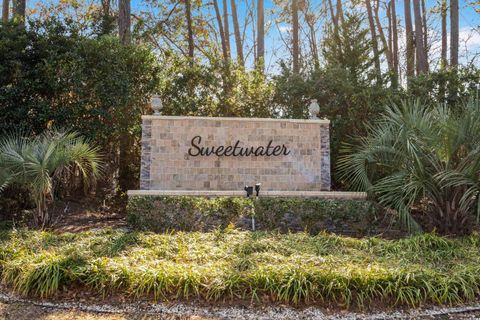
{"points": [[76, 215], [22, 311]]}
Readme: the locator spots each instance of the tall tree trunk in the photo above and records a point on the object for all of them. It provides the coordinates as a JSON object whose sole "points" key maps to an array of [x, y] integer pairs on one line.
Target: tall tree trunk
{"points": [[390, 27], [395, 36], [295, 44], [454, 33], [260, 34], [126, 141], [236, 30], [5, 10], [336, 27], [374, 40], [124, 21], [386, 47], [409, 39], [253, 18], [191, 45], [443, 8], [333, 15], [19, 9], [340, 18], [314, 48], [312, 38], [224, 107], [425, 30], [107, 22], [419, 44], [393, 41], [443, 55], [221, 31], [226, 27]]}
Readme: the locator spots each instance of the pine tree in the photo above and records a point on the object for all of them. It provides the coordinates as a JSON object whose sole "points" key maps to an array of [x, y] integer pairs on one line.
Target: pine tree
{"points": [[351, 49]]}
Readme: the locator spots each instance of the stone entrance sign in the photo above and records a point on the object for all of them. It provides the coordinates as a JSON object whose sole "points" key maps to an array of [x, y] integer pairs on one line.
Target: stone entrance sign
{"points": [[199, 153]]}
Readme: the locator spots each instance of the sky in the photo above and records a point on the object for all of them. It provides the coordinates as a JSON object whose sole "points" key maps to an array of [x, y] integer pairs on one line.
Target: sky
{"points": [[469, 21]]}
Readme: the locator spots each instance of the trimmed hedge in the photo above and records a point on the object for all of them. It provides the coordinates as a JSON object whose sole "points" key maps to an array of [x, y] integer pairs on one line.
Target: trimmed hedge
{"points": [[189, 213]]}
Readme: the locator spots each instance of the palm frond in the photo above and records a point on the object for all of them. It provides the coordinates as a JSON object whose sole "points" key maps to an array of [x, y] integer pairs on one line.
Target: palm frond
{"points": [[36, 162], [415, 152]]}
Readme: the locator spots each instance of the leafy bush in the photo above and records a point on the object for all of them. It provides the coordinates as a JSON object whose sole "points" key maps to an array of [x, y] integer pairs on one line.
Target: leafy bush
{"points": [[53, 76], [451, 86], [425, 160], [161, 213], [37, 163], [213, 89], [14, 200], [228, 265]]}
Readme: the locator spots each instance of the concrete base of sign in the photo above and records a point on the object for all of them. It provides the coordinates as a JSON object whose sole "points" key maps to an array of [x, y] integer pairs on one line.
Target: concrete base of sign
{"points": [[237, 193]]}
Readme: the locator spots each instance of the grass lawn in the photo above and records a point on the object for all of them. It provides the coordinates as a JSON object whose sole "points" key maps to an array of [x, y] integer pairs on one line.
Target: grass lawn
{"points": [[253, 266]]}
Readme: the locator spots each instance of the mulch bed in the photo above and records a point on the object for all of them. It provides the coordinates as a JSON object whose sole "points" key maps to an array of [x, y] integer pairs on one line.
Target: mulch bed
{"points": [[76, 215]]}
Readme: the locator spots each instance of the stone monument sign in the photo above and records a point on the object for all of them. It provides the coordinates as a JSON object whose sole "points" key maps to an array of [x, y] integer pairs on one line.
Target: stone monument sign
{"points": [[200, 153]]}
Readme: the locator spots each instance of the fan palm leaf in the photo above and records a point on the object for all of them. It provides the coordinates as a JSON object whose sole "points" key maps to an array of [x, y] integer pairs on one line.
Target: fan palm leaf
{"points": [[414, 153], [35, 162]]}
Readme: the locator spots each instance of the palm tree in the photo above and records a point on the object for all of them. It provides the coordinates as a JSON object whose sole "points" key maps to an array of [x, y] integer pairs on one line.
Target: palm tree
{"points": [[38, 162], [422, 158]]}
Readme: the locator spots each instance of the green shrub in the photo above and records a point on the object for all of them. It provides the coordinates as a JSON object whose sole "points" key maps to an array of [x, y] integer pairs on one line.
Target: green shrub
{"points": [[451, 86], [193, 89], [160, 213], [52, 75]]}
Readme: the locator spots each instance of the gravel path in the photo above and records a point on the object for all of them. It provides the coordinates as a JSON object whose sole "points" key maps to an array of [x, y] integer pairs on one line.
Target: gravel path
{"points": [[13, 307]]}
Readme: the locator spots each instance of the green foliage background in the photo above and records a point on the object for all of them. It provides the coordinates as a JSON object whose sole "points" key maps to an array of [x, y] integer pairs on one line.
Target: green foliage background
{"points": [[53, 74]]}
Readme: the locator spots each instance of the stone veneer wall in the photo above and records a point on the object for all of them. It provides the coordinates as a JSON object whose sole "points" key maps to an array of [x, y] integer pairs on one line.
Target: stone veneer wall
{"points": [[166, 164]]}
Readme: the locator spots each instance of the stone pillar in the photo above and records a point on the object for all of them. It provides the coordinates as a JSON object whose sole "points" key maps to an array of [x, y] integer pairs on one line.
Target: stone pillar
{"points": [[146, 157], [325, 156]]}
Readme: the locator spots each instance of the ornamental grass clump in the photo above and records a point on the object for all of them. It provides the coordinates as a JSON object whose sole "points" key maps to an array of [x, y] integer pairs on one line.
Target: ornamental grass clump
{"points": [[38, 162], [234, 265], [424, 162]]}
